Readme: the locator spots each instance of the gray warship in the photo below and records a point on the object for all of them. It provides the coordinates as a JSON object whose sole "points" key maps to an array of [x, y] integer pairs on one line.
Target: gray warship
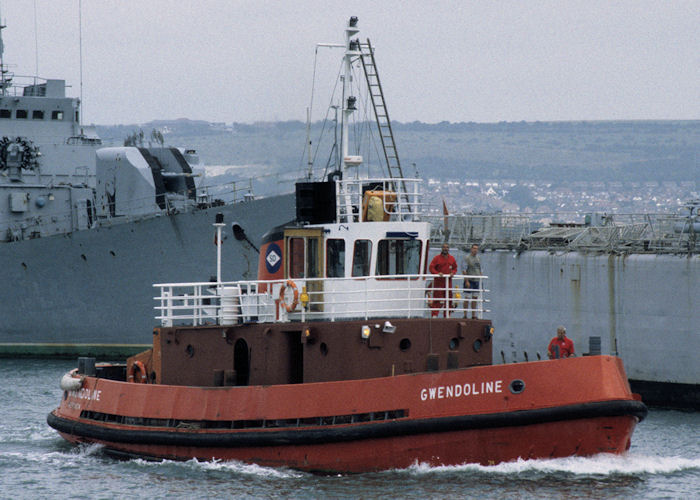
{"points": [[82, 225], [626, 285]]}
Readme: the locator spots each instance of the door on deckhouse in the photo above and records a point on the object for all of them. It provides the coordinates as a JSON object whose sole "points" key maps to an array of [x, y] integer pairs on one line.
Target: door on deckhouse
{"points": [[304, 260]]}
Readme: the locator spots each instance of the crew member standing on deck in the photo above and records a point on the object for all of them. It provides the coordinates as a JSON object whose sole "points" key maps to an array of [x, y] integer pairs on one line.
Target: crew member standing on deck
{"points": [[472, 286], [442, 264], [560, 346]]}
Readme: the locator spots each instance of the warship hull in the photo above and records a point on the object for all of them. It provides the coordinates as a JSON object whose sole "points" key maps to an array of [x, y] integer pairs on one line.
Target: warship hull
{"points": [[90, 292], [640, 307]]}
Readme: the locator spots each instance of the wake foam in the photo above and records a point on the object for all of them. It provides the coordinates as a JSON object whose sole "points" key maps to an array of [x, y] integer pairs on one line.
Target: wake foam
{"points": [[598, 465], [220, 465]]}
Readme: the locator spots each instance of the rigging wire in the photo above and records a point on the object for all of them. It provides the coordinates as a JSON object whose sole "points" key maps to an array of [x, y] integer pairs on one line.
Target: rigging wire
{"points": [[308, 118], [325, 120], [313, 158]]}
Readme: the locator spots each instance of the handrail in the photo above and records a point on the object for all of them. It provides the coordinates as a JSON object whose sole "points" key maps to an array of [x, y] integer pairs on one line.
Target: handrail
{"points": [[399, 200], [329, 299]]}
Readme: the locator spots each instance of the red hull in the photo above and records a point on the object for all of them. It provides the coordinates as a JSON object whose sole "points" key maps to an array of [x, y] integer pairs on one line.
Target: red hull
{"points": [[486, 446], [579, 406]]}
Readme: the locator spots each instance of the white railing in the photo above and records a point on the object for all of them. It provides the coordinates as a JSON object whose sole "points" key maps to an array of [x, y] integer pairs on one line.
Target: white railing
{"points": [[400, 198], [329, 299]]}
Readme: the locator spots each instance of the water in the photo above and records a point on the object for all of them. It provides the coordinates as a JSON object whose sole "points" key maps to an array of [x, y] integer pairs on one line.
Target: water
{"points": [[664, 462]]}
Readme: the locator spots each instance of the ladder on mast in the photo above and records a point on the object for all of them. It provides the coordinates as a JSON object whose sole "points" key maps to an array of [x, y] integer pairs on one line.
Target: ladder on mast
{"points": [[380, 111]]}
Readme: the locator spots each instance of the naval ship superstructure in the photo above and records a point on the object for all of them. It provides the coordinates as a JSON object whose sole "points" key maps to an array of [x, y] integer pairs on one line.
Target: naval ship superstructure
{"points": [[625, 285], [81, 223]]}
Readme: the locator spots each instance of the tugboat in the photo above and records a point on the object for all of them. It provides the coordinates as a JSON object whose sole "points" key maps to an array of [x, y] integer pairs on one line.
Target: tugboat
{"points": [[344, 355]]}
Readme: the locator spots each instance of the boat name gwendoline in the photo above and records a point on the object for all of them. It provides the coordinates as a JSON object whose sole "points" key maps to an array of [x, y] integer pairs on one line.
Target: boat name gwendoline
{"points": [[90, 394], [459, 390]]}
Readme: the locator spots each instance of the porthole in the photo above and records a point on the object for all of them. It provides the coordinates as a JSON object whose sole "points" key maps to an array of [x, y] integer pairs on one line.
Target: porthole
{"points": [[476, 345], [323, 348], [189, 350], [405, 344], [517, 386], [454, 344]]}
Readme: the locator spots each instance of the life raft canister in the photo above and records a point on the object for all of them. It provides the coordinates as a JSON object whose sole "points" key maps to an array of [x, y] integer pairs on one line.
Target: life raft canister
{"points": [[295, 300], [138, 373]]}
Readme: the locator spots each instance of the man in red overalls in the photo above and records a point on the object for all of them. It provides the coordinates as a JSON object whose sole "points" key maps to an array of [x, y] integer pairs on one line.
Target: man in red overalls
{"points": [[565, 345], [442, 264]]}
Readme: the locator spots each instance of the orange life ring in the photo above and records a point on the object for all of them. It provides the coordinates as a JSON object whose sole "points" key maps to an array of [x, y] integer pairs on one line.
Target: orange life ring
{"points": [[295, 300], [138, 373]]}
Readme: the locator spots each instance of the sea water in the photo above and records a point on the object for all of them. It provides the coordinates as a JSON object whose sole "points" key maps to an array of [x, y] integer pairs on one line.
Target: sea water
{"points": [[663, 462]]}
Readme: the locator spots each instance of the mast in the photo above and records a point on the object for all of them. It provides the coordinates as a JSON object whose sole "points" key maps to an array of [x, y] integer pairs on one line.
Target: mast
{"points": [[5, 81], [351, 50]]}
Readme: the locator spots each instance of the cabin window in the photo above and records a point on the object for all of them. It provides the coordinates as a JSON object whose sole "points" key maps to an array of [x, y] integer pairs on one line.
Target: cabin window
{"points": [[37, 114], [398, 257], [335, 258], [5, 113], [21, 114], [57, 115], [361, 256]]}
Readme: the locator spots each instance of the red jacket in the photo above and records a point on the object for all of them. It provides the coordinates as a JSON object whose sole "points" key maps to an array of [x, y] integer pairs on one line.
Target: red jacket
{"points": [[443, 264], [566, 347]]}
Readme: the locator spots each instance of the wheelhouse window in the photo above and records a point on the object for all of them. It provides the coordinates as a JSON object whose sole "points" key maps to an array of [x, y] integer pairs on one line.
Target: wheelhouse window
{"points": [[37, 114], [335, 258], [57, 115], [21, 114], [361, 255], [398, 257], [5, 113]]}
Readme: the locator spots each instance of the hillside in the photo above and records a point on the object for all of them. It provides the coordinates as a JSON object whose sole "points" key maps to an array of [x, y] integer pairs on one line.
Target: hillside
{"points": [[523, 151]]}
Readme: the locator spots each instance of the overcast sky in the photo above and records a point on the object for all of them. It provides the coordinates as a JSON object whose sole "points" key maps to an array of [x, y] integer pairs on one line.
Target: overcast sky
{"points": [[482, 61]]}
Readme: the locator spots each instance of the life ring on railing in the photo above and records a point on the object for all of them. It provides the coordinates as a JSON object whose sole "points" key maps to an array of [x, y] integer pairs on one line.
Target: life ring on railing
{"points": [[295, 300], [138, 373]]}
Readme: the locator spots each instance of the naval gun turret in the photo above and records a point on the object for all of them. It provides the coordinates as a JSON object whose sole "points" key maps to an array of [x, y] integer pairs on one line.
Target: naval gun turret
{"points": [[139, 181]]}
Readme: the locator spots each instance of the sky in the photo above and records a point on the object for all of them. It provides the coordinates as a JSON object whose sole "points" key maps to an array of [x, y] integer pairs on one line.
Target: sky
{"points": [[457, 61]]}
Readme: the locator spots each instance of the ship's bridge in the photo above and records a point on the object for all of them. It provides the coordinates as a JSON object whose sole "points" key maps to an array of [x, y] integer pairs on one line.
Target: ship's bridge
{"points": [[364, 256]]}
